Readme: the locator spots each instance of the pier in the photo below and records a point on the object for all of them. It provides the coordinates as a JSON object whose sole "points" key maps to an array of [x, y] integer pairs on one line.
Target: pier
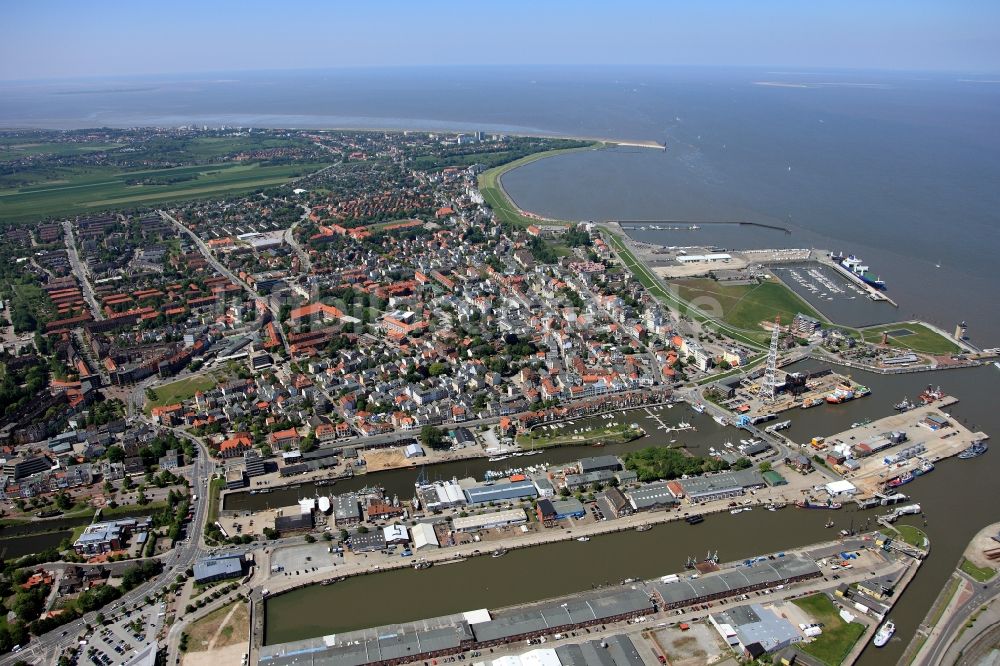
{"points": [[937, 442], [823, 257]]}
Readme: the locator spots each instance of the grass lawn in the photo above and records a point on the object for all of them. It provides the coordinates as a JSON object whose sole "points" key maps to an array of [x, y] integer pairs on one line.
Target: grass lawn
{"points": [[225, 626], [82, 190], [540, 438], [838, 637], [746, 306], [923, 339], [184, 389], [754, 338], [132, 510], [493, 194], [911, 535], [981, 574]]}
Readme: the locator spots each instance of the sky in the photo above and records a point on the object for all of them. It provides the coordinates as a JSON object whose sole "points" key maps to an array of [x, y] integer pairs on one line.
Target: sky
{"points": [[72, 39]]}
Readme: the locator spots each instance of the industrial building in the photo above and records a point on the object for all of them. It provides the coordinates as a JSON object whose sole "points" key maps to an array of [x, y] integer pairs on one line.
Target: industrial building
{"points": [[368, 542], [499, 492], [652, 497], [731, 582], [346, 510], [598, 463], [550, 510], [754, 630], [424, 536], [441, 495], [211, 569], [720, 486], [490, 520]]}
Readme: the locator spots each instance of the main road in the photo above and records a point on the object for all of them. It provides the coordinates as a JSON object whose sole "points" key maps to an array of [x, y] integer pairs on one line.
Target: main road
{"points": [[217, 265], [45, 649], [80, 270]]}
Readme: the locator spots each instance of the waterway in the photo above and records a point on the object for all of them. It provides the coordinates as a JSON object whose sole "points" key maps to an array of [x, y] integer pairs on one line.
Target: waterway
{"points": [[15, 547], [706, 433], [958, 498]]}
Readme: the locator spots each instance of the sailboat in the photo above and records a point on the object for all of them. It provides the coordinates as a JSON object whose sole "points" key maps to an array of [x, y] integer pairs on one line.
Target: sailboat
{"points": [[938, 264]]}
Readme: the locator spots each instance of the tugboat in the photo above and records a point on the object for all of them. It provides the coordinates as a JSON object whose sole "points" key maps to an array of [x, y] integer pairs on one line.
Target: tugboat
{"points": [[884, 633], [977, 449]]}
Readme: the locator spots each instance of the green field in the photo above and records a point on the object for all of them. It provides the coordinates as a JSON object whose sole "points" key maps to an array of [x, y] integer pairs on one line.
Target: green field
{"points": [[838, 637], [184, 389], [981, 574], [12, 150], [493, 194], [923, 339], [911, 535], [83, 190], [745, 306]]}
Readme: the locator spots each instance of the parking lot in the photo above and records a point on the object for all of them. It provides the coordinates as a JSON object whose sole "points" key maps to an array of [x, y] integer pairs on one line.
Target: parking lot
{"points": [[127, 632]]}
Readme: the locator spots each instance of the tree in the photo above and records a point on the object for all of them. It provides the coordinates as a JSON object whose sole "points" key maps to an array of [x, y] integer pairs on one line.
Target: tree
{"points": [[742, 463], [64, 501], [116, 454], [764, 466], [432, 437]]}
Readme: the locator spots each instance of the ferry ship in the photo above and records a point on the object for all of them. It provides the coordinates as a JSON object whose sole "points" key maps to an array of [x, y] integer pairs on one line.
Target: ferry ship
{"points": [[884, 633], [977, 449], [856, 266]]}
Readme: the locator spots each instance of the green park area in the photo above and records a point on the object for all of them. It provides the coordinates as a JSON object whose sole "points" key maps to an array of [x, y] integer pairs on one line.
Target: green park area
{"points": [[745, 305], [981, 574], [912, 535], [82, 190], [497, 199], [183, 389], [912, 335], [542, 437], [838, 637]]}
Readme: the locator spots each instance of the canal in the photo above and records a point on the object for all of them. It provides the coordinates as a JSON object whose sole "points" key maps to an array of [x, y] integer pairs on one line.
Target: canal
{"points": [[704, 433], [958, 499]]}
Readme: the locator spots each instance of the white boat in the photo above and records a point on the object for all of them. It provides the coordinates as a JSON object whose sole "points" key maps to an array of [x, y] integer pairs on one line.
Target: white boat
{"points": [[718, 419], [584, 538], [700, 408], [884, 633]]}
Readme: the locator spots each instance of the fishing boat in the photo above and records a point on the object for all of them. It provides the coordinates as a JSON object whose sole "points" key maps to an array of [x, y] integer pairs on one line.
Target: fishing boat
{"points": [[901, 480], [643, 528], [931, 394], [810, 504], [903, 405], [925, 467], [977, 449], [499, 552], [884, 633], [423, 565]]}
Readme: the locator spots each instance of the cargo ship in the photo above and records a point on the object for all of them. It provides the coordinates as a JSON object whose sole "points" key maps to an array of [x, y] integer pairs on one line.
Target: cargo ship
{"points": [[846, 393], [857, 267]]}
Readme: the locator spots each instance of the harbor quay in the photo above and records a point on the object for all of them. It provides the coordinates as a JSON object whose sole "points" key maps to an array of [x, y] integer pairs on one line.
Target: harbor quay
{"points": [[856, 574], [882, 456]]}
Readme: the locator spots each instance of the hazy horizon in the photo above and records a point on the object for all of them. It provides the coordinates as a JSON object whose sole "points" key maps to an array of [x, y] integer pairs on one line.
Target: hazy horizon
{"points": [[111, 38]]}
